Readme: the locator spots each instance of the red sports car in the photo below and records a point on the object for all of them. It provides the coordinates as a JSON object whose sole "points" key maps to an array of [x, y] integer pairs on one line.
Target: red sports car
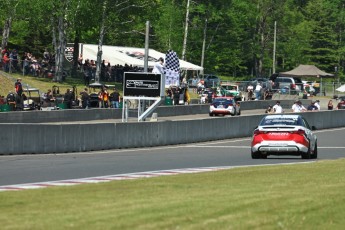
{"points": [[284, 135]]}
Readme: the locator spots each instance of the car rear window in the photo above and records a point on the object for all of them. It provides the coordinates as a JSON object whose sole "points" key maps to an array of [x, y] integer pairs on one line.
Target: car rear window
{"points": [[281, 121], [222, 100]]}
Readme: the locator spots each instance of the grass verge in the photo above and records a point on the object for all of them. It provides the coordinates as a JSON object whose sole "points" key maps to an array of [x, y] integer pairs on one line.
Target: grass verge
{"points": [[308, 196]]}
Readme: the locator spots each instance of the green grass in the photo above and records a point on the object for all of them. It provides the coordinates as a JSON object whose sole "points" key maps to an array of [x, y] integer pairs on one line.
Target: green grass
{"points": [[43, 84], [308, 196]]}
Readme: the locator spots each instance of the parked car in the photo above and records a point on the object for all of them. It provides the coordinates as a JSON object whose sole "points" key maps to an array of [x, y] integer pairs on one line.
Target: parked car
{"points": [[289, 85], [284, 135], [211, 80], [231, 90], [224, 106]]}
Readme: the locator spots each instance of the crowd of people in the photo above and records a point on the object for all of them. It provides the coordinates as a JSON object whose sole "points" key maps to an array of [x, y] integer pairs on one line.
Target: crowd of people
{"points": [[297, 107]]}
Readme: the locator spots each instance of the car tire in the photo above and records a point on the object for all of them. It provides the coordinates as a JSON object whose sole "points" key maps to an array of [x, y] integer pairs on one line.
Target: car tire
{"points": [[314, 155], [306, 155], [211, 114], [256, 155]]}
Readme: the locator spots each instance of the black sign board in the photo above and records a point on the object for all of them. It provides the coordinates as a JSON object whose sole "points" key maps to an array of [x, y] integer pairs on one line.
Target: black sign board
{"points": [[143, 84], [69, 50]]}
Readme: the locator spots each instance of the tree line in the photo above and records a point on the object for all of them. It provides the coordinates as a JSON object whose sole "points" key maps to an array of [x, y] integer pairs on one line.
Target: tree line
{"points": [[230, 38]]}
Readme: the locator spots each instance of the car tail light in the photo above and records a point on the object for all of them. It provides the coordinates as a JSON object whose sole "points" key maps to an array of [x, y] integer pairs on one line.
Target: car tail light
{"points": [[300, 132], [293, 86], [258, 132]]}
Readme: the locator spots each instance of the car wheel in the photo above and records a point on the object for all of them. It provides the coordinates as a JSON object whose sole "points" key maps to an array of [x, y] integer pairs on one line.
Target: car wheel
{"points": [[256, 155], [211, 114], [314, 155], [306, 155]]}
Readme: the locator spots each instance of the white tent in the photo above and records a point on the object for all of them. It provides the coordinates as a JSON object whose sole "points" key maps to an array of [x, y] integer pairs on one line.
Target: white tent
{"points": [[341, 89], [118, 55]]}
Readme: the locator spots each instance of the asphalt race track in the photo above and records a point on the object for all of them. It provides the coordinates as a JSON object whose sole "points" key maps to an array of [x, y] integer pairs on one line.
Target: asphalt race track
{"points": [[22, 169]]}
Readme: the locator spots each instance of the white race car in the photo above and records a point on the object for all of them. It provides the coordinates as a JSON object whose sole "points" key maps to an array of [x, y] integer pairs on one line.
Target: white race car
{"points": [[224, 106], [284, 135]]}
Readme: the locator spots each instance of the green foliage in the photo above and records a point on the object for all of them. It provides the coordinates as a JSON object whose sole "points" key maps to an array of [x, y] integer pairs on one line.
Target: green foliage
{"points": [[239, 33]]}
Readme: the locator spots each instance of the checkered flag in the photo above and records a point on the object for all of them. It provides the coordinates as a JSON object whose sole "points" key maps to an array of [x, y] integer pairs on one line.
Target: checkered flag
{"points": [[172, 69], [172, 61]]}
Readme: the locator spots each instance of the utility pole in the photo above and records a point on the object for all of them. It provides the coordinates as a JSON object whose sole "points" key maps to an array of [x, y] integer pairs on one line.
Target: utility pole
{"points": [[274, 47], [185, 33], [146, 46]]}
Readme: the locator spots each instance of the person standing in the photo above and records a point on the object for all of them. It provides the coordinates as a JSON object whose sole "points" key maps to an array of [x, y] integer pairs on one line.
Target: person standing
{"points": [[85, 99], [68, 98], [103, 98], [115, 99], [18, 87], [250, 89], [19, 90], [277, 108], [330, 105], [6, 62], [258, 89], [158, 67]]}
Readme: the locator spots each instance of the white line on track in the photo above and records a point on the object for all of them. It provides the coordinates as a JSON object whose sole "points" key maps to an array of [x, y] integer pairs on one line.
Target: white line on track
{"points": [[130, 176]]}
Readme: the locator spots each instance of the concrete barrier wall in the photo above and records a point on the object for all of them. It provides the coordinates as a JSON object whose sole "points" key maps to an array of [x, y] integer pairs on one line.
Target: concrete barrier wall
{"points": [[63, 138], [104, 114]]}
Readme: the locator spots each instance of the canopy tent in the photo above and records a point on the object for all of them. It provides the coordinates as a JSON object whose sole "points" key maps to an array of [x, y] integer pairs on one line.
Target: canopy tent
{"points": [[117, 55], [306, 71], [341, 89]]}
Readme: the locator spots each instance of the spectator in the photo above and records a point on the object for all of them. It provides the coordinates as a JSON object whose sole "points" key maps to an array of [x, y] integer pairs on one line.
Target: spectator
{"points": [[258, 89], [194, 84], [312, 107], [48, 98], [87, 72], [317, 104], [14, 60], [115, 99], [68, 98], [277, 108], [250, 89], [19, 90], [18, 87], [330, 105], [158, 67], [176, 96], [85, 99], [11, 100], [341, 104], [269, 109], [6, 62], [103, 98], [298, 107]]}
